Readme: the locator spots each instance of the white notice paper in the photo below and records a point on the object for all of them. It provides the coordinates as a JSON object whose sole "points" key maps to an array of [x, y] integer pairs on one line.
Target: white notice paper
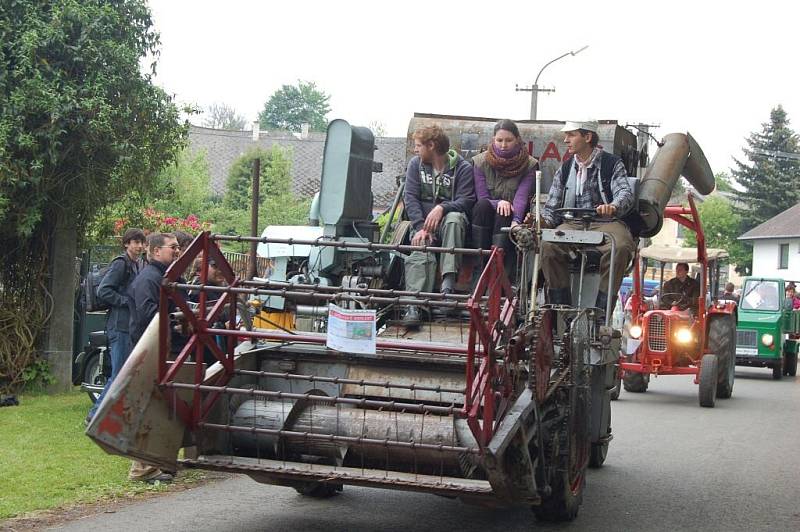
{"points": [[351, 331]]}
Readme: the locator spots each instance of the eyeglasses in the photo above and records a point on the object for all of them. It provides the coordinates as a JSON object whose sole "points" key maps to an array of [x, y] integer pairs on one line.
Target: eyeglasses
{"points": [[173, 246]]}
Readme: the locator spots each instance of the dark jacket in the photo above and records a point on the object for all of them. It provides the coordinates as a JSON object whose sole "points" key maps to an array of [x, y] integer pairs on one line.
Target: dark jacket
{"points": [[689, 289], [145, 292], [113, 291], [454, 189]]}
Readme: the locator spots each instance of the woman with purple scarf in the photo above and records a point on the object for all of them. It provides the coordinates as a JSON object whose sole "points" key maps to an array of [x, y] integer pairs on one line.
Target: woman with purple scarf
{"points": [[504, 175]]}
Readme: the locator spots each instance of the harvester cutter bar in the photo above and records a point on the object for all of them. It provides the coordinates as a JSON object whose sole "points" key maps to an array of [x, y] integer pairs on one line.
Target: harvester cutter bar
{"points": [[355, 289], [377, 478], [341, 380]]}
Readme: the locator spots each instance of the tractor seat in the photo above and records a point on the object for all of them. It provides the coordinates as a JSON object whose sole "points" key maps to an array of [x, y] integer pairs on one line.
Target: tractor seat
{"points": [[97, 338]]}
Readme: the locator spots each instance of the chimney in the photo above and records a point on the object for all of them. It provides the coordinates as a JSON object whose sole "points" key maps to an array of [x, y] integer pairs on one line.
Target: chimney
{"points": [[256, 131]]}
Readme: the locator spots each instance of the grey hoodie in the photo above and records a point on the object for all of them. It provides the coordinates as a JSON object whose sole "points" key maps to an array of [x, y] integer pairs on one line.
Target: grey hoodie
{"points": [[455, 188]]}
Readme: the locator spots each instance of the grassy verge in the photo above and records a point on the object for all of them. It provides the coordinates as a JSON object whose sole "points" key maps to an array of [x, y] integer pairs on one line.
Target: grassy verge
{"points": [[46, 461]]}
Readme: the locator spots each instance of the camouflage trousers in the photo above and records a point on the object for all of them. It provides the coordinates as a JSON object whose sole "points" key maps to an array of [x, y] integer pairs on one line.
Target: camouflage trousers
{"points": [[420, 267]]}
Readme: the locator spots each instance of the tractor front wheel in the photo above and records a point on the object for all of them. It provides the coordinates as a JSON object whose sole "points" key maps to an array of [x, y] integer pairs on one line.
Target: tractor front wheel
{"points": [[635, 382], [708, 380], [777, 370], [722, 342]]}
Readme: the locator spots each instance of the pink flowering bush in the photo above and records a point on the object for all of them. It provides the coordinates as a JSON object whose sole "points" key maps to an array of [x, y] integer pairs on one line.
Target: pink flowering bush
{"points": [[153, 221]]}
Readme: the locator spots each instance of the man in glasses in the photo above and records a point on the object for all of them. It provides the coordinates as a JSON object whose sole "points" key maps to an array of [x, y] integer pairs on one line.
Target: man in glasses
{"points": [[163, 249]]}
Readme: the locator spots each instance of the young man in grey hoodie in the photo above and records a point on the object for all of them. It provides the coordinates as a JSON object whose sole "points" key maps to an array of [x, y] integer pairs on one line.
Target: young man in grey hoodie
{"points": [[439, 193]]}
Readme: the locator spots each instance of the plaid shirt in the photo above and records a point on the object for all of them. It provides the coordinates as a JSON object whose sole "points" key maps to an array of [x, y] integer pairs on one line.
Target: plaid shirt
{"points": [[591, 196]]}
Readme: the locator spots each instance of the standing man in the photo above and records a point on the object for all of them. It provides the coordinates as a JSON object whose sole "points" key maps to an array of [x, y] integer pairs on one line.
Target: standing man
{"points": [[593, 179], [439, 193], [113, 291], [681, 291], [163, 248]]}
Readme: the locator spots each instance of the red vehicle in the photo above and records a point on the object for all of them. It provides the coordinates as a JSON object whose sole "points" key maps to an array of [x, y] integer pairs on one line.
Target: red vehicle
{"points": [[672, 341]]}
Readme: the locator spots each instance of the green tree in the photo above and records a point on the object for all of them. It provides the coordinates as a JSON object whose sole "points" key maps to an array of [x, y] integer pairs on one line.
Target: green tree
{"points": [[770, 180], [724, 182], [223, 116], [275, 176], [294, 105], [721, 227], [80, 126]]}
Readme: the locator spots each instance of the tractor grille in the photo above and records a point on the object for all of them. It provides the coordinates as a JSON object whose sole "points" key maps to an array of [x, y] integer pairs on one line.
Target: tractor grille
{"points": [[746, 338], [657, 333]]}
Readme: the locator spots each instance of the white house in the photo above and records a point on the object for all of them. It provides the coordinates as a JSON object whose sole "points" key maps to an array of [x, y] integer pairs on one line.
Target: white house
{"points": [[776, 245]]}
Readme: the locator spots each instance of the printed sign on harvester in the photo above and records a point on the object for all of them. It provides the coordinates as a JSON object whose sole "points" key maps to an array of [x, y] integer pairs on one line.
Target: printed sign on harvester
{"points": [[351, 331]]}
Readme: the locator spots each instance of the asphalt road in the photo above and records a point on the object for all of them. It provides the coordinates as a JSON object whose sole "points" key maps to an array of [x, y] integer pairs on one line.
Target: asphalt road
{"points": [[672, 466]]}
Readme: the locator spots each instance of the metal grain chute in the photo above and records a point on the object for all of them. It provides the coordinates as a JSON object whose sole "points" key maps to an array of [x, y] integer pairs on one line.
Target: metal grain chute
{"points": [[679, 155]]}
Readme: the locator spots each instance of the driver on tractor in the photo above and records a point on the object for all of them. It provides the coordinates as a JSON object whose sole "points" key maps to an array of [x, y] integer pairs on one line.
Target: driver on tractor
{"points": [[681, 291], [590, 179]]}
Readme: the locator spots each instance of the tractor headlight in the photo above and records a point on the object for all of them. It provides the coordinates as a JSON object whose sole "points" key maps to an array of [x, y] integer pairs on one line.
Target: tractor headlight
{"points": [[767, 339], [683, 336], [635, 331]]}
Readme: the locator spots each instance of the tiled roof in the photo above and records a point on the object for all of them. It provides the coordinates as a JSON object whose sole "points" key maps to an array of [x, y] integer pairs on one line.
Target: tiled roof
{"points": [[783, 225], [223, 147]]}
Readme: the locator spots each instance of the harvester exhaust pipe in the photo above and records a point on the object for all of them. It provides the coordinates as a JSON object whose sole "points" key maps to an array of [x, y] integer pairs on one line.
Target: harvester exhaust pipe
{"points": [[679, 155]]}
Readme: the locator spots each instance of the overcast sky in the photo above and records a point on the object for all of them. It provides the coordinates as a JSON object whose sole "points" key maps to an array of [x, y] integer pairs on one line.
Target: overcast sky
{"points": [[711, 68]]}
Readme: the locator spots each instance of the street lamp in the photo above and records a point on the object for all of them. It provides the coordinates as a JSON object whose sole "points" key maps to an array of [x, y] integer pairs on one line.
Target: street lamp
{"points": [[535, 90]]}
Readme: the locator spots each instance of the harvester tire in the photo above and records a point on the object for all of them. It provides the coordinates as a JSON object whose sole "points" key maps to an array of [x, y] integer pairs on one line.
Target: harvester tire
{"points": [[615, 391], [777, 370], [709, 372], [597, 455], [318, 490], [635, 382], [722, 342], [790, 364]]}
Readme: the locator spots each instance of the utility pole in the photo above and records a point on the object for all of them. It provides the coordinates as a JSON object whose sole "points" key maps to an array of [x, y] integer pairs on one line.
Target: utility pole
{"points": [[535, 90]]}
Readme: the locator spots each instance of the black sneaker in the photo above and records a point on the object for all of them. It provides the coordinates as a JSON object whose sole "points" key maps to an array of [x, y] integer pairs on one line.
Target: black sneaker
{"points": [[163, 478]]}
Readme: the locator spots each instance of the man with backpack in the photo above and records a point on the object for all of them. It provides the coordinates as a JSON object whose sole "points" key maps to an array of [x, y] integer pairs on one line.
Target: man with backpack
{"points": [[588, 178], [113, 292]]}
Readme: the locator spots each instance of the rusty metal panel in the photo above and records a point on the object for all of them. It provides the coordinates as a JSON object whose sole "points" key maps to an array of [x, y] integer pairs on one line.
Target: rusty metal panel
{"points": [[470, 135], [420, 377], [135, 419]]}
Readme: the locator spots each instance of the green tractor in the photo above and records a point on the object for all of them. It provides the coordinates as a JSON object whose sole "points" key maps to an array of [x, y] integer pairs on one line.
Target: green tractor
{"points": [[768, 330]]}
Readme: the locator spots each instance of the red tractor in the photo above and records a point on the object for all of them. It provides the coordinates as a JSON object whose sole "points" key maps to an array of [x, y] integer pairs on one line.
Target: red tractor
{"points": [[672, 341]]}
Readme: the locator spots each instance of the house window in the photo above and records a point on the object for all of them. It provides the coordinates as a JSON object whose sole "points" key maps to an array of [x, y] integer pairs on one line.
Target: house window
{"points": [[784, 257]]}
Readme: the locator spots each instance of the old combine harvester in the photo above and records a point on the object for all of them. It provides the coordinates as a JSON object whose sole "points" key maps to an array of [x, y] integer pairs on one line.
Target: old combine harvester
{"points": [[506, 403]]}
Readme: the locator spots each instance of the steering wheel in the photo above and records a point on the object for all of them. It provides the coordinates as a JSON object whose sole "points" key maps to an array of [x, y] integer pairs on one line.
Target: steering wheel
{"points": [[680, 301], [578, 213]]}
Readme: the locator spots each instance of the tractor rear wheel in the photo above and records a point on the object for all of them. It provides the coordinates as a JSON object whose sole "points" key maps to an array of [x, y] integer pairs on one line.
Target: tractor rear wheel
{"points": [[598, 454], [615, 391], [722, 342], [790, 364], [709, 373]]}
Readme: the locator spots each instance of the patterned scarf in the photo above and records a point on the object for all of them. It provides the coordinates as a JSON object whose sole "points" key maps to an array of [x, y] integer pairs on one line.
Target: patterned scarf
{"points": [[510, 164]]}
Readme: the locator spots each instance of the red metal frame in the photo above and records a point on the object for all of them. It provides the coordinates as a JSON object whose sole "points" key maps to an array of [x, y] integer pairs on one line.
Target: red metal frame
{"points": [[490, 383], [689, 218]]}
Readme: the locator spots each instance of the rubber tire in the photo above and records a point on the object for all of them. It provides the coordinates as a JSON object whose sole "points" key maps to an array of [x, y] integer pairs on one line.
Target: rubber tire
{"points": [[709, 372], [777, 370], [635, 382], [615, 391], [722, 342], [598, 454], [93, 374], [790, 364], [319, 490]]}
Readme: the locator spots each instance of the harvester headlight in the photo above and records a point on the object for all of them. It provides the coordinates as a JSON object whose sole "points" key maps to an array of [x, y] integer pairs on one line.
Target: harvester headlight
{"points": [[683, 336], [767, 339], [635, 331]]}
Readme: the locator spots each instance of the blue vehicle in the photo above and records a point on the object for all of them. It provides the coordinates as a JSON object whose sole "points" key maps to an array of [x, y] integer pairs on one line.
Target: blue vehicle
{"points": [[650, 287]]}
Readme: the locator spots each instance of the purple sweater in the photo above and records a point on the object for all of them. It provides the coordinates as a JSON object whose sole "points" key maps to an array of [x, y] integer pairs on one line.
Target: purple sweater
{"points": [[520, 203]]}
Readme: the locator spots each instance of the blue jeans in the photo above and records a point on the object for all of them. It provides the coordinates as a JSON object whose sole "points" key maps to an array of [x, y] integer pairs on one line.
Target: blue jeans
{"points": [[119, 342]]}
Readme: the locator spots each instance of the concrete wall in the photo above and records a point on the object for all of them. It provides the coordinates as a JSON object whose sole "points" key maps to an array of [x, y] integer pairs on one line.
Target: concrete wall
{"points": [[766, 258]]}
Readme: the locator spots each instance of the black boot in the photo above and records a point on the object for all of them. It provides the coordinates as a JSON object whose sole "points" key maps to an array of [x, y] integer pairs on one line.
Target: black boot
{"points": [[502, 241], [481, 237], [559, 296]]}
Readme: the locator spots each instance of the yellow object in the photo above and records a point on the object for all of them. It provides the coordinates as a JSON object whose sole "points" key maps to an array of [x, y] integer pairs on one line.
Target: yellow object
{"points": [[274, 320]]}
